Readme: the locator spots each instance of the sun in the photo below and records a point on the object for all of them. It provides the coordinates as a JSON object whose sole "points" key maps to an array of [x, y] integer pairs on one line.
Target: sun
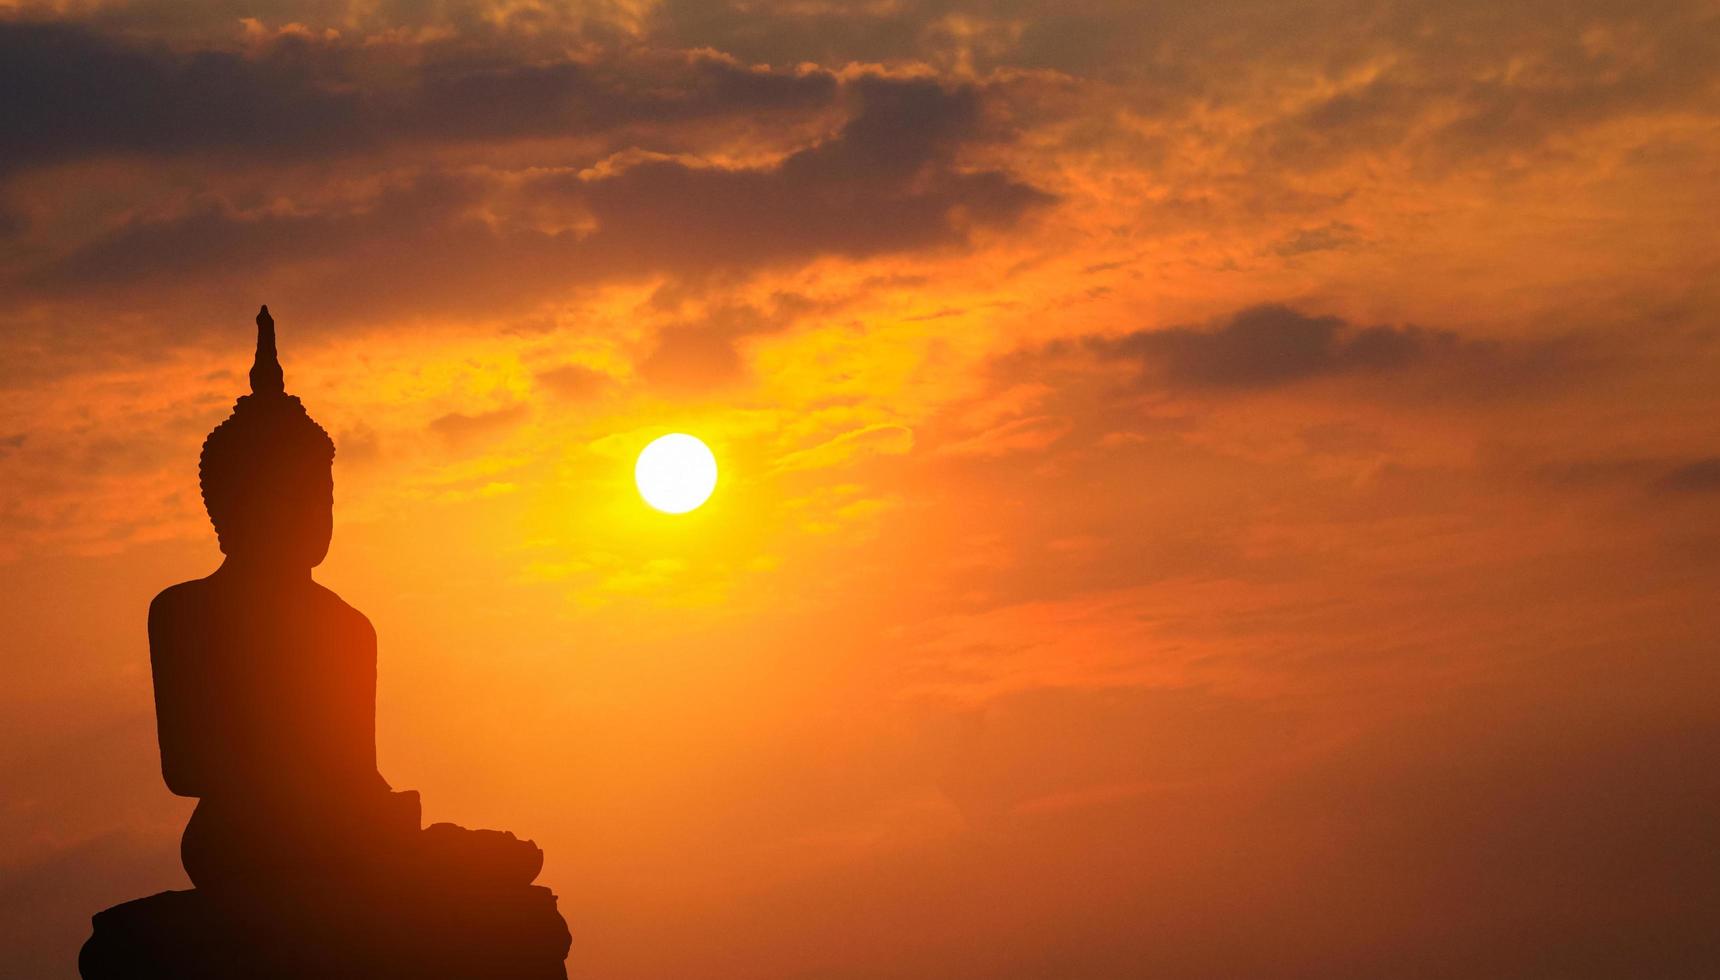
{"points": [[676, 473]]}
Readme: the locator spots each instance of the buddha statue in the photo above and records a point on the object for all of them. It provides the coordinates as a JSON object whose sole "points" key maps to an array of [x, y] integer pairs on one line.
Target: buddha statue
{"points": [[265, 682], [265, 696]]}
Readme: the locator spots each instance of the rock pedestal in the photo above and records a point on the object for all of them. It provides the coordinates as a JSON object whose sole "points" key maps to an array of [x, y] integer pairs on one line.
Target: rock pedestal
{"points": [[468, 933]]}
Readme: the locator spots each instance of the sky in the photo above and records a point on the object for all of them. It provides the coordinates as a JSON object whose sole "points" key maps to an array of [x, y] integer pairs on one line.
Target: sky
{"points": [[1207, 490]]}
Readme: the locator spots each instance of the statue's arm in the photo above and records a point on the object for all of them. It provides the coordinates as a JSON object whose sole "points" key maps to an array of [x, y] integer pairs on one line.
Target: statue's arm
{"points": [[368, 643], [176, 704]]}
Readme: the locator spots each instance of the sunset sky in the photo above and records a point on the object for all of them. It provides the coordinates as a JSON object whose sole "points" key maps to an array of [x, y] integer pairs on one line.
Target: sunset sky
{"points": [[1209, 490]]}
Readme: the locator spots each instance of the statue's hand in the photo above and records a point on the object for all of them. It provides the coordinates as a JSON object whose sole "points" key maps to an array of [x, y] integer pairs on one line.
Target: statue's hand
{"points": [[484, 858]]}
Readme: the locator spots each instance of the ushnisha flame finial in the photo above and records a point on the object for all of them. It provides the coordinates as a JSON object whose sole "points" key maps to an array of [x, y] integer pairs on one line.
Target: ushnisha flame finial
{"points": [[268, 435], [266, 377]]}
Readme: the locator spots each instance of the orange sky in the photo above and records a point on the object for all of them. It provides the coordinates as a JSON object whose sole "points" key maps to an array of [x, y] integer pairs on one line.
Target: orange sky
{"points": [[1209, 490]]}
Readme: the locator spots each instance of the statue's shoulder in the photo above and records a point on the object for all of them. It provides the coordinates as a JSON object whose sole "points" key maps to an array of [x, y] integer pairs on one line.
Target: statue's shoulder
{"points": [[344, 611], [175, 600]]}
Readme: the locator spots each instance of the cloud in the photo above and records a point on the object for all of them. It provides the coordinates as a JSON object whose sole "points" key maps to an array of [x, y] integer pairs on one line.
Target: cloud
{"points": [[886, 439], [216, 238], [1423, 91], [1034, 434], [1158, 630], [359, 445], [1627, 472], [75, 92], [891, 179], [573, 382], [463, 431], [692, 356], [1325, 238], [456, 100], [703, 350], [1271, 345], [1698, 476]]}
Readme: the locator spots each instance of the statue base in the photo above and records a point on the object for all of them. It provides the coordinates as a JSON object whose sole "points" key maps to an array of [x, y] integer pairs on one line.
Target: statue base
{"points": [[495, 933]]}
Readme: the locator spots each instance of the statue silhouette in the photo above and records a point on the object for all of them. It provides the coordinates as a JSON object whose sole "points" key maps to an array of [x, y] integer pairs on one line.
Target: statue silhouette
{"points": [[305, 861]]}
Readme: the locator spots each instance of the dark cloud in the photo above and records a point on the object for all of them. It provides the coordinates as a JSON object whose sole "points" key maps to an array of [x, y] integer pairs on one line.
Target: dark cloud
{"points": [[1581, 474], [214, 238], [891, 179], [11, 223], [1435, 86], [1621, 473], [1443, 80], [1272, 345], [888, 180], [1325, 238], [504, 100], [72, 92], [1699, 476]]}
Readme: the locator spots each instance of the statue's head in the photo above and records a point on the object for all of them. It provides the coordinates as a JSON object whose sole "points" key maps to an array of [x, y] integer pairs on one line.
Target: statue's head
{"points": [[267, 472]]}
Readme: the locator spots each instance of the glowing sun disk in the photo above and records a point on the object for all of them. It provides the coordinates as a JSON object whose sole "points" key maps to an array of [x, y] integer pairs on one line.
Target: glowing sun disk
{"points": [[676, 473]]}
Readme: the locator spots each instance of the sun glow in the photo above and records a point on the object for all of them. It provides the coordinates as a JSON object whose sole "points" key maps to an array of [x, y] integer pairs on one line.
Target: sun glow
{"points": [[676, 473]]}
